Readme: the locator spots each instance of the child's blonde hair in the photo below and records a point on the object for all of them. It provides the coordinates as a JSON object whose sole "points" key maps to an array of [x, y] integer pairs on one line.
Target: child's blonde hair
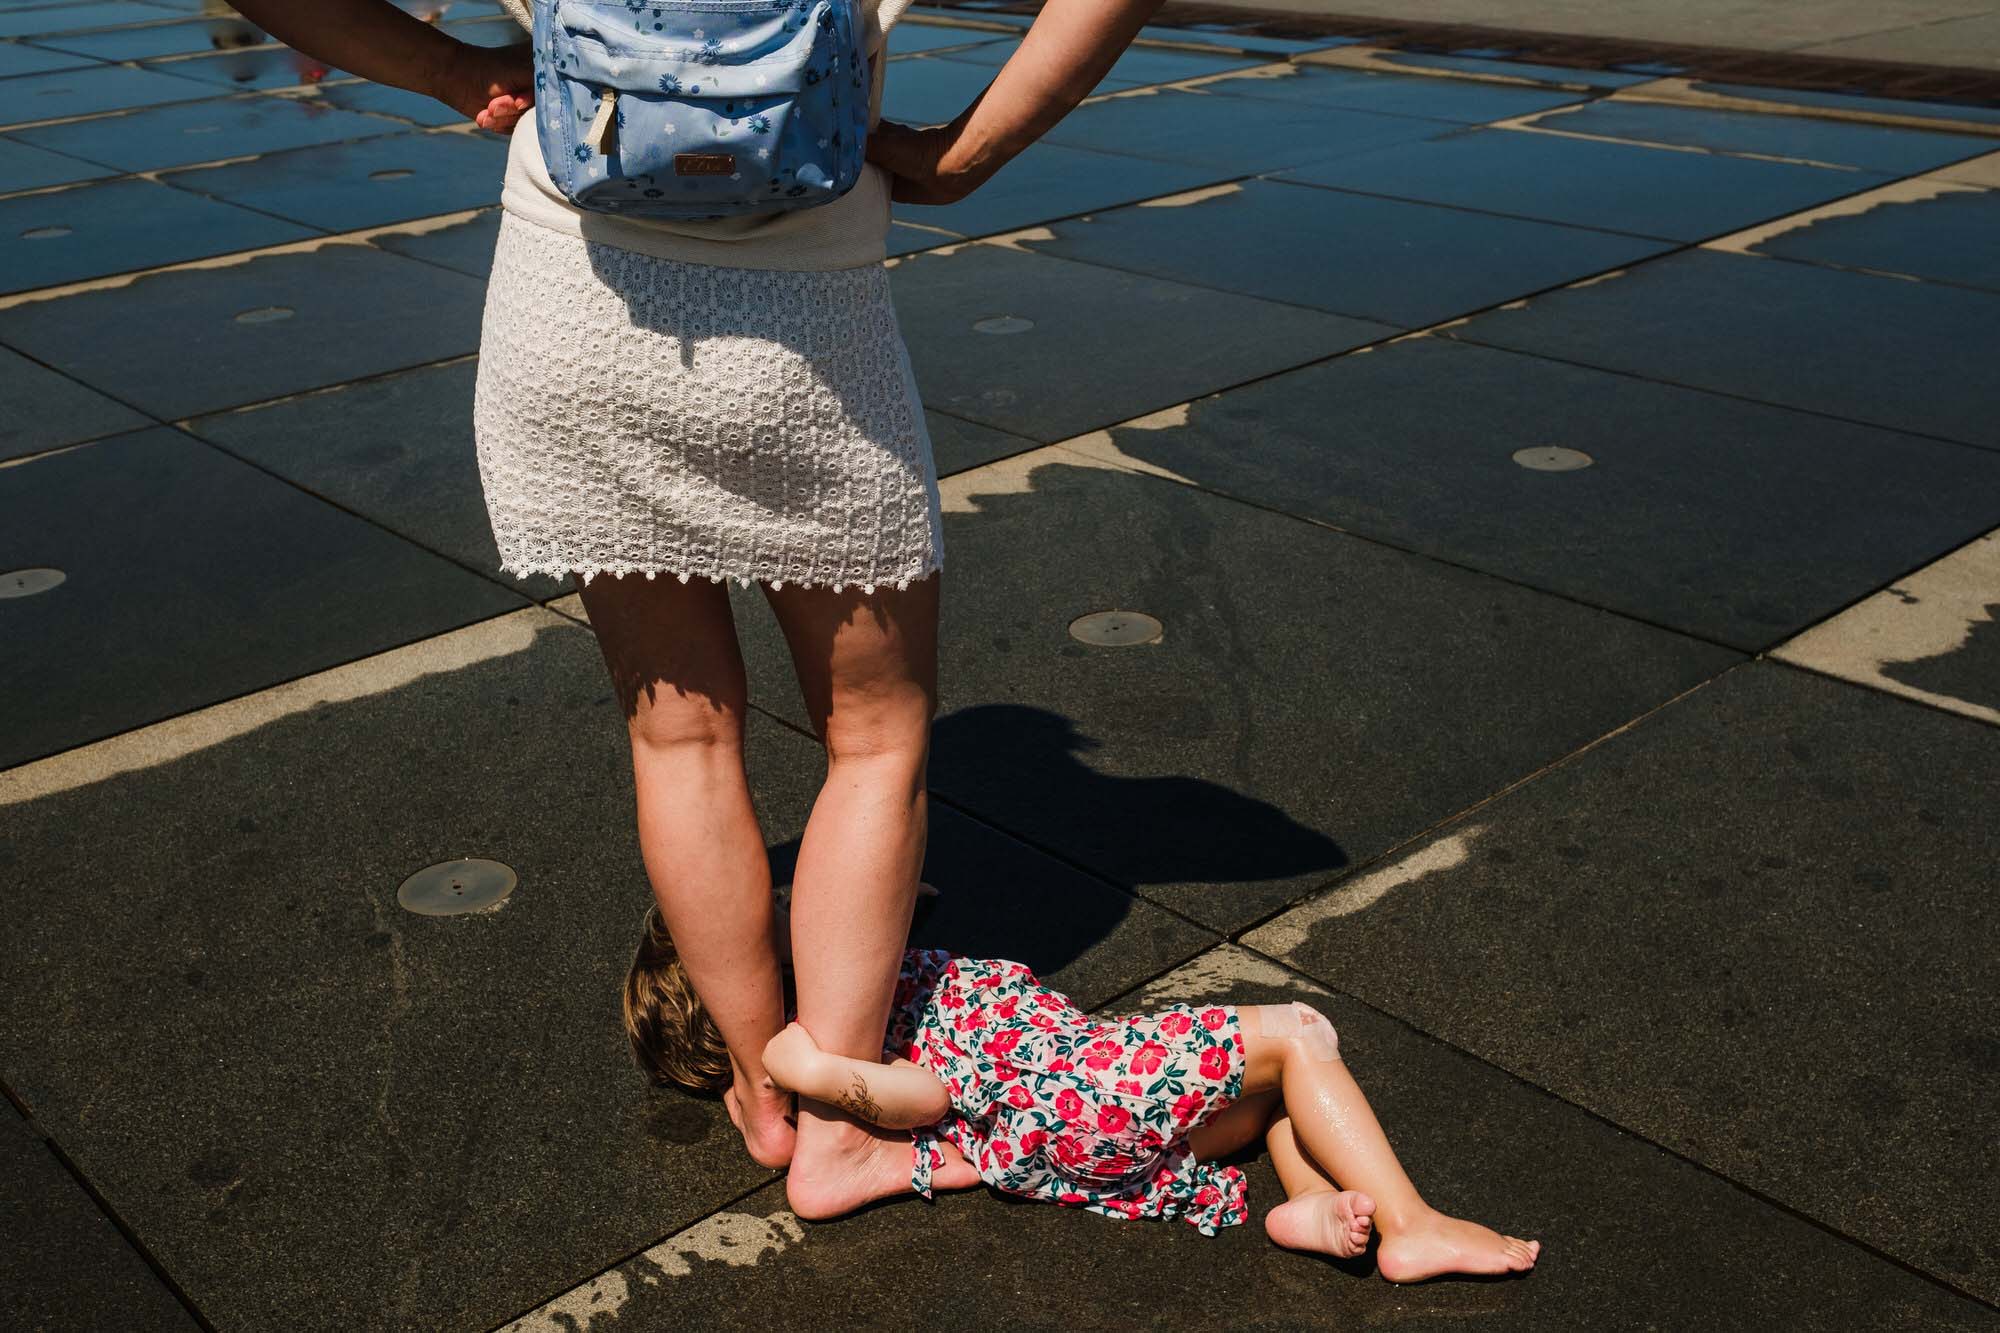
{"points": [[673, 1038]]}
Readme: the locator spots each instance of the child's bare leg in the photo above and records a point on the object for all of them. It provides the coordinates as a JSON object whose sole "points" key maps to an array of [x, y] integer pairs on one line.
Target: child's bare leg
{"points": [[1318, 1215], [1236, 1127], [1295, 1047]]}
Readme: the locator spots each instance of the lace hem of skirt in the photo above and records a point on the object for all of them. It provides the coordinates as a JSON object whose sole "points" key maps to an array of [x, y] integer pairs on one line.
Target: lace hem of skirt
{"points": [[560, 569]]}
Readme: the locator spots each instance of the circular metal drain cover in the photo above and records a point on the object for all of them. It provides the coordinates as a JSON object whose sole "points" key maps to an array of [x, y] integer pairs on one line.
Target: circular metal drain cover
{"points": [[1552, 458], [1115, 629], [1003, 324], [44, 233], [390, 174], [265, 314], [28, 582], [451, 888]]}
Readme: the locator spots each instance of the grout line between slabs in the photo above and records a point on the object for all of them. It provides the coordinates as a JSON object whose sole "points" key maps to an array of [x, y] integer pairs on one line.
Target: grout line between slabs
{"points": [[720, 1208], [125, 1229]]}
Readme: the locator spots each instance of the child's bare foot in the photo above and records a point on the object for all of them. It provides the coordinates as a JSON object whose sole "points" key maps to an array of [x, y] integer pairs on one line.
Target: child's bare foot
{"points": [[1437, 1245], [792, 1057], [1335, 1222], [763, 1118]]}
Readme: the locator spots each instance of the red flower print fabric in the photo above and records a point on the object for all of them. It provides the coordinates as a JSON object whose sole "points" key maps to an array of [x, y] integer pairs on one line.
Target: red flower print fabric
{"points": [[1051, 1103]]}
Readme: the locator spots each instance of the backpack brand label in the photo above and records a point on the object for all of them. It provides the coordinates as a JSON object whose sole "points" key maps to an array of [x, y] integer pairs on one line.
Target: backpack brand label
{"points": [[704, 164]]}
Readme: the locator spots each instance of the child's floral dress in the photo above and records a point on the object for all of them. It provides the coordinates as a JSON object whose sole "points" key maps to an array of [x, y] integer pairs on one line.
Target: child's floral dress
{"points": [[1050, 1103]]}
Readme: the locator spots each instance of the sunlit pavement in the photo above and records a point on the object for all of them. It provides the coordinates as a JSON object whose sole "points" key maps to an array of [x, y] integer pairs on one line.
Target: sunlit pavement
{"points": [[1551, 516]]}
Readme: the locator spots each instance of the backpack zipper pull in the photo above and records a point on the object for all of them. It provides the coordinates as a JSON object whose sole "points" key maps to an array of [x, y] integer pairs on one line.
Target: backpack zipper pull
{"points": [[599, 133]]}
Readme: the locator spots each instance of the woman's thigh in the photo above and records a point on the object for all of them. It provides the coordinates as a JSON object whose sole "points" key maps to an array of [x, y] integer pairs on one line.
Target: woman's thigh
{"points": [[672, 652], [866, 662]]}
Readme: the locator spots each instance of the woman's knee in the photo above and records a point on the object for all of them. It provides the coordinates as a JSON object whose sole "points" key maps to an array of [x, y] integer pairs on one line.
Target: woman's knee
{"points": [[673, 719], [880, 731]]}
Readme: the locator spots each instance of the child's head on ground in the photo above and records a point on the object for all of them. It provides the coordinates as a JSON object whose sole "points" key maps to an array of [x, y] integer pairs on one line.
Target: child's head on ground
{"points": [[673, 1038]]}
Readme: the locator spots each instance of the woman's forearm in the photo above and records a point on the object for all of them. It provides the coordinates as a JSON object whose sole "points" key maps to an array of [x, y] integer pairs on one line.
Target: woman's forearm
{"points": [[369, 38], [1068, 48]]}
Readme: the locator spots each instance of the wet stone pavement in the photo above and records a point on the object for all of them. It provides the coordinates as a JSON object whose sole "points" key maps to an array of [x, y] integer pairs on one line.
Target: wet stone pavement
{"points": [[1571, 503]]}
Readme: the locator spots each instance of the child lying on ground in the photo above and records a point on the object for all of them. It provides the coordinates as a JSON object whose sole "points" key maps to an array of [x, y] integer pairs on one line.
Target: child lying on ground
{"points": [[1124, 1116]]}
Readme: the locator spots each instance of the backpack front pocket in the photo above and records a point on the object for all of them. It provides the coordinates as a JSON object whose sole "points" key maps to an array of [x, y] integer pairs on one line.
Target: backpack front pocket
{"points": [[700, 108]]}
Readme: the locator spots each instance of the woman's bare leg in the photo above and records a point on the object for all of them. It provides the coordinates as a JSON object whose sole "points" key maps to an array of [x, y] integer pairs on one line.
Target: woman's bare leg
{"points": [[672, 652], [867, 667], [1295, 1048]]}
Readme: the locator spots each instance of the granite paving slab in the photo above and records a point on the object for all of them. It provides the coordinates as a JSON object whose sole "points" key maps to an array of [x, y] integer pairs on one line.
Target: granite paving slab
{"points": [[995, 336], [1755, 928], [160, 39], [904, 239], [347, 186], [77, 18], [1735, 521], [1632, 188], [420, 1121], [46, 410], [20, 58], [923, 90], [1793, 138], [26, 168], [63, 1264], [254, 328], [1243, 136], [32, 98], [423, 1121], [191, 577], [1476, 1140], [1857, 102], [1379, 259], [1514, 69], [958, 445], [260, 67], [1139, 64], [116, 226], [1887, 351], [1932, 635], [910, 36], [382, 100], [221, 127], [397, 450], [1049, 181], [498, 30], [1952, 236], [1460, 101], [1314, 698], [1223, 36], [465, 246]]}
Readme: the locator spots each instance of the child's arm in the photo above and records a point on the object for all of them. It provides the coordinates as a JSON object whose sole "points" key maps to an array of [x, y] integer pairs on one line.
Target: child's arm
{"points": [[899, 1095]]}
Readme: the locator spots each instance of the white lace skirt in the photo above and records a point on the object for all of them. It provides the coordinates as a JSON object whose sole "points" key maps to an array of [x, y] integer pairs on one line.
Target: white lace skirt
{"points": [[637, 414]]}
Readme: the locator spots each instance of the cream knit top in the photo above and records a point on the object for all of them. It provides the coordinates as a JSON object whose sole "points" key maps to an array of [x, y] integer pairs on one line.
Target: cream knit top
{"points": [[849, 232]]}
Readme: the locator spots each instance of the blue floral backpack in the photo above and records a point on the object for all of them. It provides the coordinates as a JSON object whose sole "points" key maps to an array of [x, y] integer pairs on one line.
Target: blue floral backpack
{"points": [[700, 108]]}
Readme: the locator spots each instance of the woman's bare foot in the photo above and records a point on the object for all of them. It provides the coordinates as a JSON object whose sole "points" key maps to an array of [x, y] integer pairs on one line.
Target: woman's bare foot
{"points": [[763, 1118], [842, 1164], [1335, 1222], [1437, 1245]]}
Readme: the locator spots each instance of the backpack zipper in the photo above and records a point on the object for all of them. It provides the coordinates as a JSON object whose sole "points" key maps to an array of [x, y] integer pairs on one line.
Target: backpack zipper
{"points": [[599, 133]]}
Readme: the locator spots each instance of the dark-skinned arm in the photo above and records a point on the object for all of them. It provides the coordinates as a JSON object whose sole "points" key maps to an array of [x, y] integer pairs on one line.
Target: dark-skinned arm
{"points": [[381, 43], [1069, 47]]}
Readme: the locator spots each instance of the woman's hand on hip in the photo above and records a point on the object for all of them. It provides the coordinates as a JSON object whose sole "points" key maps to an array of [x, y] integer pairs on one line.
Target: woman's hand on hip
{"points": [[492, 85], [921, 162]]}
